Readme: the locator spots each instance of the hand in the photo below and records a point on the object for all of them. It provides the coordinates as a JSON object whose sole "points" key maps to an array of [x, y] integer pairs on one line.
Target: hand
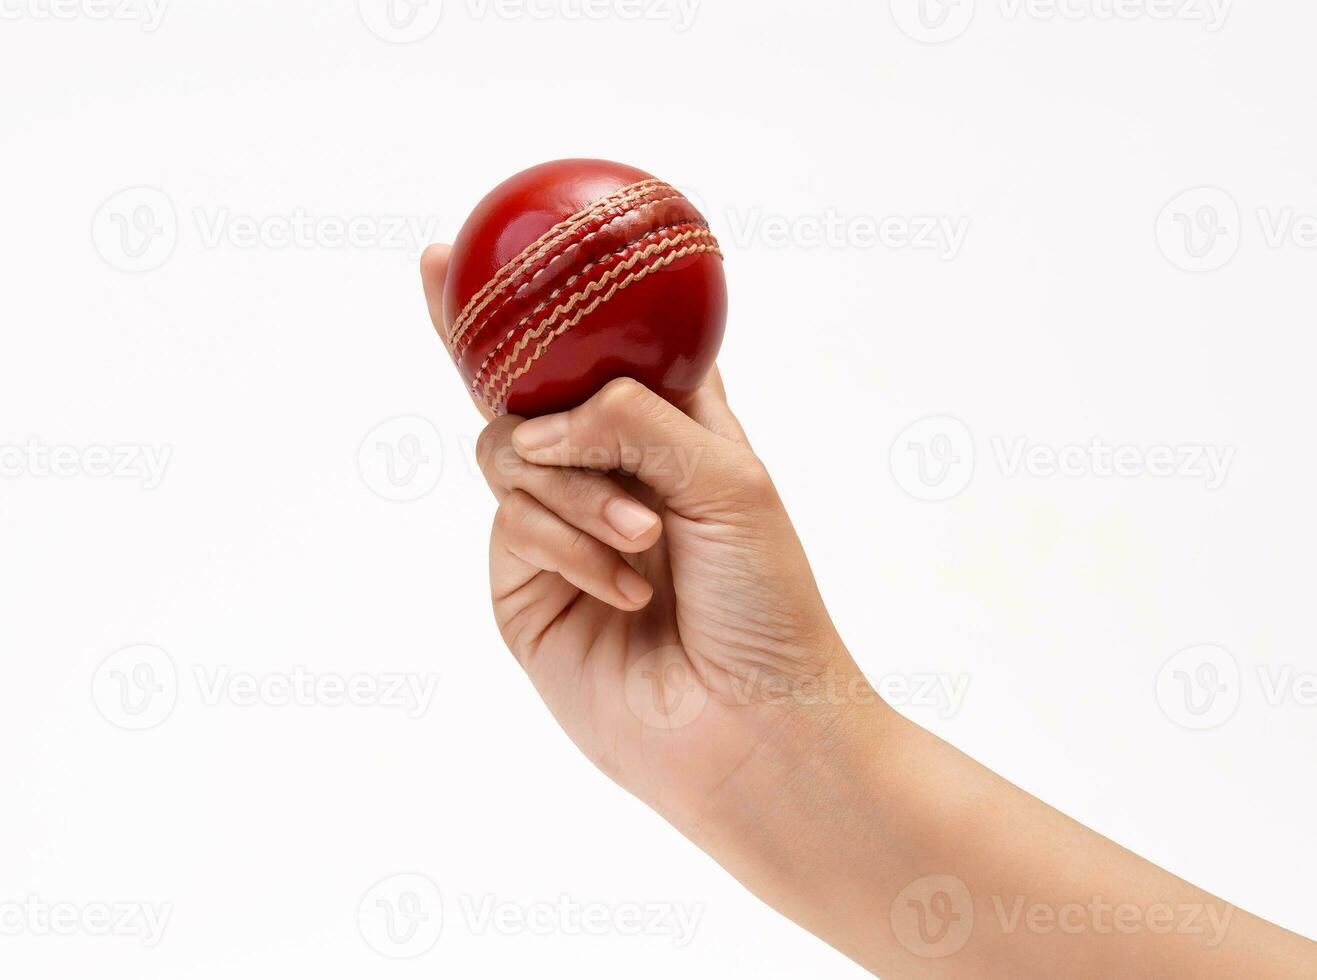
{"points": [[646, 576]]}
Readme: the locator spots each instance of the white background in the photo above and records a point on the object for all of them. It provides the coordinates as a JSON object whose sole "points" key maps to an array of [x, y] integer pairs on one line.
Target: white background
{"points": [[262, 367]]}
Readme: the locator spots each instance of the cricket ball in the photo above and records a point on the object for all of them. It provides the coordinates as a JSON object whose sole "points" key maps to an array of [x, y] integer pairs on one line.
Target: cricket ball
{"points": [[576, 272]]}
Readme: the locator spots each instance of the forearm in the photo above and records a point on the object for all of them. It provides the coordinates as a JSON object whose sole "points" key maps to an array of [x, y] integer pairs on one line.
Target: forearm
{"points": [[918, 862], [684, 657]]}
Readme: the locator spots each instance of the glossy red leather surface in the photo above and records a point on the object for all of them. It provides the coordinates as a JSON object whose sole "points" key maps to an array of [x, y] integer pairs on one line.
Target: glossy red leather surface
{"points": [[576, 272]]}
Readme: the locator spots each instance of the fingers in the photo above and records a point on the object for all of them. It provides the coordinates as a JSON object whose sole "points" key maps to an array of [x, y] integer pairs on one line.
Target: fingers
{"points": [[527, 535], [708, 406], [628, 427], [588, 501], [434, 269], [714, 382]]}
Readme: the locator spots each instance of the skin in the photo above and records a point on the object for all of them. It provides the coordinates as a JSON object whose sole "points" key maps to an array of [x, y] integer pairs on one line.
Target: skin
{"points": [[647, 578]]}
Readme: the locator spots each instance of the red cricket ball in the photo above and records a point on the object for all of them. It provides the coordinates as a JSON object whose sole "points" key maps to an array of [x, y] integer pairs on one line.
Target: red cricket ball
{"points": [[576, 272]]}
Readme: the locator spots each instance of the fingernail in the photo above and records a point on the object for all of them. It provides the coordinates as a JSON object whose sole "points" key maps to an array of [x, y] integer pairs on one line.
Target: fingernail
{"points": [[629, 518], [633, 585], [541, 433]]}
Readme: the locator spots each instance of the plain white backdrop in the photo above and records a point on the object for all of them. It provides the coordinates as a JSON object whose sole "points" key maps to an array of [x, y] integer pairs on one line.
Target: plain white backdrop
{"points": [[1022, 318]]}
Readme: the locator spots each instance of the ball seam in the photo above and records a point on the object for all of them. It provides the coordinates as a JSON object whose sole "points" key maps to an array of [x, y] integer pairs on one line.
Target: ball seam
{"points": [[662, 262], [562, 231], [566, 223], [580, 274], [541, 263]]}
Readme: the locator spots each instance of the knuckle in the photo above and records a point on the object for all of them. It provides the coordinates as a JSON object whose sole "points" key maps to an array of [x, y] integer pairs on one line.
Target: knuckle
{"points": [[581, 546], [487, 442], [513, 513], [502, 519], [753, 479], [491, 437], [494, 453], [622, 396], [579, 488]]}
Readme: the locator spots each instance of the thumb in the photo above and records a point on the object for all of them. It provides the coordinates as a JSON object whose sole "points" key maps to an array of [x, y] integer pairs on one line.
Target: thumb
{"points": [[698, 473], [708, 406]]}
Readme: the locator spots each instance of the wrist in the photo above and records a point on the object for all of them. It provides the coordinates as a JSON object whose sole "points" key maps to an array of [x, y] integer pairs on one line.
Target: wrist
{"points": [[818, 755]]}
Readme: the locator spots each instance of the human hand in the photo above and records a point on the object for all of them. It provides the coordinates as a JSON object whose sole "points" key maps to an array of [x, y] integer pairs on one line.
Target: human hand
{"points": [[646, 576]]}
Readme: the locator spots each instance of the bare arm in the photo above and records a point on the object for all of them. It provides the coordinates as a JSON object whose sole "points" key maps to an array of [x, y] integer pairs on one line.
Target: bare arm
{"points": [[646, 577]]}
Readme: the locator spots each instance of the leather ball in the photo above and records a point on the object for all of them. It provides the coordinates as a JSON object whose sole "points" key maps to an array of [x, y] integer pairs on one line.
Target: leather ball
{"points": [[576, 272]]}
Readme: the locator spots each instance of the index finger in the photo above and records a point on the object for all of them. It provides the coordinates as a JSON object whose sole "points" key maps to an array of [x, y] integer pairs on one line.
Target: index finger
{"points": [[434, 270], [627, 427]]}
